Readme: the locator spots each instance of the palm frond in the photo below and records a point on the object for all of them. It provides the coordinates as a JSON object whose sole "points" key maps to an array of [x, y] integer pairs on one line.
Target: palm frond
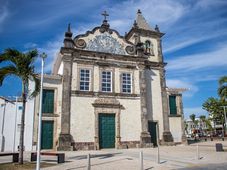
{"points": [[11, 55], [34, 77], [6, 71], [222, 80]]}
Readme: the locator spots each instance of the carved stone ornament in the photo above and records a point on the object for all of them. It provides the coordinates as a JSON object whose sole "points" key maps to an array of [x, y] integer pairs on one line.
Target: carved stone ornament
{"points": [[107, 101], [105, 43], [130, 50], [80, 43]]}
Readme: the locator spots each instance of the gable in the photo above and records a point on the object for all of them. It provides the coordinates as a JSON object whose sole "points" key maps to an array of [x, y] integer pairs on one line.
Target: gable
{"points": [[107, 42]]}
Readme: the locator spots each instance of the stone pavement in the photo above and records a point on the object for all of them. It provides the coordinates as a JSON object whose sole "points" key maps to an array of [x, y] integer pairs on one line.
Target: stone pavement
{"points": [[171, 157]]}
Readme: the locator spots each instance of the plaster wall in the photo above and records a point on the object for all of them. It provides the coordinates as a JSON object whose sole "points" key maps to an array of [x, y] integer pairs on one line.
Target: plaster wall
{"points": [[82, 119], [130, 120], [154, 98], [175, 128]]}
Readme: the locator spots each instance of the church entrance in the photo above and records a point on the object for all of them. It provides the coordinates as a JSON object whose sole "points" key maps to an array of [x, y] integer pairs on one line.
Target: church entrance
{"points": [[106, 130], [47, 135], [152, 128]]}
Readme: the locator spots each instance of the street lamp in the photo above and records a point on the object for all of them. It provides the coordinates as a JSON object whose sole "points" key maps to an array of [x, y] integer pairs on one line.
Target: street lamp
{"points": [[224, 115], [43, 56]]}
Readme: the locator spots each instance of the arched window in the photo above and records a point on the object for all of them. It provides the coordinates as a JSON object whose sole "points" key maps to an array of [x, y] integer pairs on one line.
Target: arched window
{"points": [[148, 47]]}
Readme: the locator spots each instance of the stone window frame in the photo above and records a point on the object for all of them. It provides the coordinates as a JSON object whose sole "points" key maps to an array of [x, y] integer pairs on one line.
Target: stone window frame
{"points": [[55, 101], [47, 117], [112, 70], [132, 79], [91, 82], [149, 49]]}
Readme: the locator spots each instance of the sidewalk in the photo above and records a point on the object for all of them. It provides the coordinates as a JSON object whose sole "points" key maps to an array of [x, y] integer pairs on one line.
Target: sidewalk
{"points": [[171, 157]]}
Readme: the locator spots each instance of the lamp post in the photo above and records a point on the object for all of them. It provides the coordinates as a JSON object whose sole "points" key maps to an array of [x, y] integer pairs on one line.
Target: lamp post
{"points": [[43, 56], [224, 115]]}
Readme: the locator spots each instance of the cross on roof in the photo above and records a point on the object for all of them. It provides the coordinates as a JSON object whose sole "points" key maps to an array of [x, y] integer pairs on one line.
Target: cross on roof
{"points": [[105, 15]]}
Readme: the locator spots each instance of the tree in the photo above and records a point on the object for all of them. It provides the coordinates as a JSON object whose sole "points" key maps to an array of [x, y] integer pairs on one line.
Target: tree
{"points": [[213, 106], [21, 65], [192, 117], [222, 90], [203, 120]]}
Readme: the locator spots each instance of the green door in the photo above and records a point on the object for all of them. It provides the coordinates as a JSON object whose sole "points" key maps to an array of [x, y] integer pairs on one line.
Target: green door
{"points": [[47, 135], [152, 126], [106, 130]]}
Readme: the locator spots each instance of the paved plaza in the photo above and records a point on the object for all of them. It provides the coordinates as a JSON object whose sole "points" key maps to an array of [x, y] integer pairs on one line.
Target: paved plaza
{"points": [[171, 157]]}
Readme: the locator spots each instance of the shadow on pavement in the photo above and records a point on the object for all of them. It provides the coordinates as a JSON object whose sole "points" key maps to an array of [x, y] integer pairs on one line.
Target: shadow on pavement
{"points": [[102, 156], [101, 163]]}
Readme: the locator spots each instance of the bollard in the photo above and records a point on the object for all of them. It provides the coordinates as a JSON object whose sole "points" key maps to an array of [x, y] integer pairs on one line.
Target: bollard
{"points": [[158, 155], [88, 162], [141, 160], [197, 152]]}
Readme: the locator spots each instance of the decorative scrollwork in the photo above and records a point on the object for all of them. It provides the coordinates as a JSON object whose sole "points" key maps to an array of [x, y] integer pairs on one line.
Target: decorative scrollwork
{"points": [[80, 43], [130, 50]]}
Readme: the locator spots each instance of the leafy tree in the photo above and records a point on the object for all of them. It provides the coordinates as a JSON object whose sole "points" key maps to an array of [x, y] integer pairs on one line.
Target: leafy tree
{"points": [[222, 90], [213, 106], [186, 127], [192, 117], [21, 65], [202, 118]]}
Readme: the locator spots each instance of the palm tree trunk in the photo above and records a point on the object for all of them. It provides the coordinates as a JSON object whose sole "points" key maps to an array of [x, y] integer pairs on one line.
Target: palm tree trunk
{"points": [[21, 144]]}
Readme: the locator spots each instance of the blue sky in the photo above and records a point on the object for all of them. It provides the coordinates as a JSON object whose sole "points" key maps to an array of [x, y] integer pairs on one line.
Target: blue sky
{"points": [[195, 44]]}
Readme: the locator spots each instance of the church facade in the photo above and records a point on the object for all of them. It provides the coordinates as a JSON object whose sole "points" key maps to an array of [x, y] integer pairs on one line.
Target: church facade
{"points": [[109, 91]]}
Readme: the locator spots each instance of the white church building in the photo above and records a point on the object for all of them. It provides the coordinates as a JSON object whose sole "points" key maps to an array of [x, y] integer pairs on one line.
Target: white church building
{"points": [[109, 91]]}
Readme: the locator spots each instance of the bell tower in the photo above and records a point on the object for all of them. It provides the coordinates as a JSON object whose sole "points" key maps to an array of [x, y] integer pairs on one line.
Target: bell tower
{"points": [[148, 44]]}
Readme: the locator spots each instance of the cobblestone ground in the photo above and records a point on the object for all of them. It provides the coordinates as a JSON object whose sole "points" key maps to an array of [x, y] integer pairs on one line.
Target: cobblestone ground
{"points": [[171, 157]]}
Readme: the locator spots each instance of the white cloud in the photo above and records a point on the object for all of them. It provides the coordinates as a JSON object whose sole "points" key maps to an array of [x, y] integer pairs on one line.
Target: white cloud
{"points": [[4, 13], [163, 12], [216, 58], [176, 83], [194, 110]]}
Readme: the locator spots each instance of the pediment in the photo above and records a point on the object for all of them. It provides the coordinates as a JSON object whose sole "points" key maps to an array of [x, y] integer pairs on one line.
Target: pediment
{"points": [[104, 41]]}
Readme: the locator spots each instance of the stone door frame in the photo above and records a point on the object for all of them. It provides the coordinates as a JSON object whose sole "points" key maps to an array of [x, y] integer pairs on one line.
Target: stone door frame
{"points": [[107, 106]]}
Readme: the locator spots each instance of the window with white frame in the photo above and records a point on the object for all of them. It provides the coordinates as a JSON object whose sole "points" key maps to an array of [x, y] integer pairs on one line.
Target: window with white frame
{"points": [[106, 81], [126, 82], [84, 79]]}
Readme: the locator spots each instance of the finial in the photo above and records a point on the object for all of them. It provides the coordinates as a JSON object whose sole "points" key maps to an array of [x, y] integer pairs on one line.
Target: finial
{"points": [[135, 24], [68, 33], [157, 28], [105, 14], [138, 12], [69, 28]]}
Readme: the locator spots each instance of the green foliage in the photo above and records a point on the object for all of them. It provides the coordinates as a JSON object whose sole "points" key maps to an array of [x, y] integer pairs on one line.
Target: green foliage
{"points": [[202, 118], [192, 117], [222, 90], [21, 65], [214, 107]]}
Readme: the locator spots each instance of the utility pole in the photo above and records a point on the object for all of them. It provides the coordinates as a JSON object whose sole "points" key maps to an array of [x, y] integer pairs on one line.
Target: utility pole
{"points": [[43, 56], [224, 115]]}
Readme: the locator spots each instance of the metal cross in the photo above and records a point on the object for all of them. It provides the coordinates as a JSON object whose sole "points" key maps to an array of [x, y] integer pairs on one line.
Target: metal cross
{"points": [[105, 15]]}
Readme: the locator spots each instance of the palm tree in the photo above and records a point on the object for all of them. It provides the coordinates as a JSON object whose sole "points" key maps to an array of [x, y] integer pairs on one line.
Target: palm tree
{"points": [[203, 120], [192, 117], [222, 90], [21, 65]]}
